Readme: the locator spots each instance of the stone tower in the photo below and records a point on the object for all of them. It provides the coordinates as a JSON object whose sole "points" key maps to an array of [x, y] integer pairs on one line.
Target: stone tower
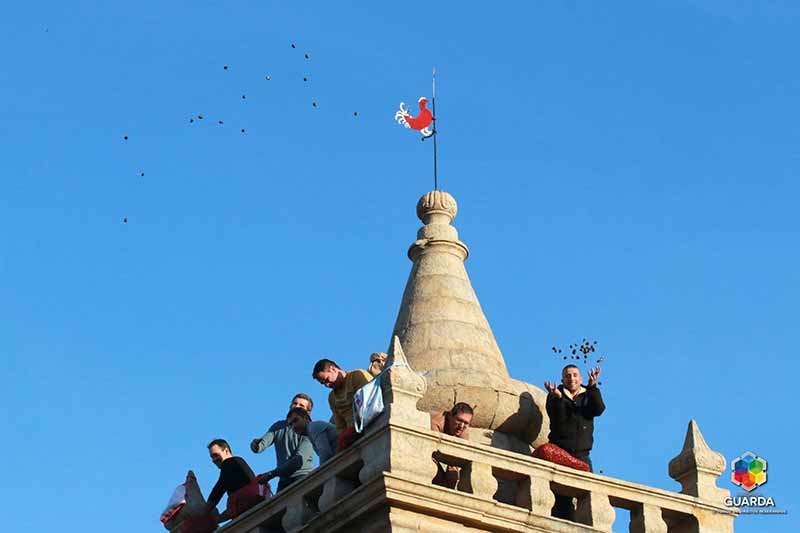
{"points": [[448, 339], [443, 350]]}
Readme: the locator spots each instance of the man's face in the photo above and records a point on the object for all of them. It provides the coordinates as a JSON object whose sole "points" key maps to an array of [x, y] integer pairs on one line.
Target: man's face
{"points": [[458, 424], [218, 455], [302, 403], [571, 378], [328, 376], [298, 423]]}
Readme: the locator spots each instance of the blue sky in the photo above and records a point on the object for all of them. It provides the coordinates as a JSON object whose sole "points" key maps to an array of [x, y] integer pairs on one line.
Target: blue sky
{"points": [[625, 172]]}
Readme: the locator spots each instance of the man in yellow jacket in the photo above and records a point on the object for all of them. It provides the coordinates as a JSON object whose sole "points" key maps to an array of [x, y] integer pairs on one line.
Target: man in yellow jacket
{"points": [[343, 386]]}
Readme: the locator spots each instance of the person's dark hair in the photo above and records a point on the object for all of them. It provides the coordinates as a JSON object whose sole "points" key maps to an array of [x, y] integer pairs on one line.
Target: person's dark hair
{"points": [[569, 366], [321, 366], [222, 443], [299, 411], [461, 407], [305, 397]]}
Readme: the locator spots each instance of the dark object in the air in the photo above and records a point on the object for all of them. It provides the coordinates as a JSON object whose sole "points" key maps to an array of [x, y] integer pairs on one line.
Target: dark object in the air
{"points": [[141, 174], [267, 77], [242, 130], [293, 46], [313, 104], [125, 220], [305, 78], [307, 56], [220, 122], [125, 138], [191, 121], [355, 113], [225, 67], [244, 97], [200, 117]]}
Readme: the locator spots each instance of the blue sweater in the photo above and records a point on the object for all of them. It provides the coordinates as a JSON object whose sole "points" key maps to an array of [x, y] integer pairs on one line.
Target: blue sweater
{"points": [[294, 453]]}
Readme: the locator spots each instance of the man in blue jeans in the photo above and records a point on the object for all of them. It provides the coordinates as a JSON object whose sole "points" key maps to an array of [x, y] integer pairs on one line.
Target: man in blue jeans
{"points": [[572, 409], [293, 453]]}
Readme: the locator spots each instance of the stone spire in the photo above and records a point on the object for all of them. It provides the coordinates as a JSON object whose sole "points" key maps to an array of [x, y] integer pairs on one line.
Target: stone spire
{"points": [[697, 466], [446, 336]]}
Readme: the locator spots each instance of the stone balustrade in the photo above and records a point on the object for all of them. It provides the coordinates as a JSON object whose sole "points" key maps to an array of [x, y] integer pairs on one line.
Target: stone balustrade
{"points": [[383, 483], [498, 491]]}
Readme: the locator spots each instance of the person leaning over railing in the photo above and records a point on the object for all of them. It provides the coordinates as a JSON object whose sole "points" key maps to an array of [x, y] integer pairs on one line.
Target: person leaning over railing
{"points": [[454, 422], [323, 435], [294, 457], [234, 474], [343, 386]]}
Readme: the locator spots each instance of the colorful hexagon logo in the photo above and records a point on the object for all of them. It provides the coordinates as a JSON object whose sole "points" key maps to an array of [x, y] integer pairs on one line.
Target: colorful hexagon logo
{"points": [[749, 471]]}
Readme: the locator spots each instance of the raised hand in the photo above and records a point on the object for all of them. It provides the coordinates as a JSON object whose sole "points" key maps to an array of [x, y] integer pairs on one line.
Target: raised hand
{"points": [[593, 375], [552, 388], [254, 445]]}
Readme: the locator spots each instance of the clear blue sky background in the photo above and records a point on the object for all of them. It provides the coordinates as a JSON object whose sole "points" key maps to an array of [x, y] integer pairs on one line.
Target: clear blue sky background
{"points": [[626, 172]]}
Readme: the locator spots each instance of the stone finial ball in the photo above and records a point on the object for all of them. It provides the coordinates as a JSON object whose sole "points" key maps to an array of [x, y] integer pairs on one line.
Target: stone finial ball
{"points": [[437, 206]]}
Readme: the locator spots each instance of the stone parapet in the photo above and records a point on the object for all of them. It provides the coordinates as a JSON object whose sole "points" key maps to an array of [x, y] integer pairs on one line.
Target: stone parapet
{"points": [[383, 482], [499, 491]]}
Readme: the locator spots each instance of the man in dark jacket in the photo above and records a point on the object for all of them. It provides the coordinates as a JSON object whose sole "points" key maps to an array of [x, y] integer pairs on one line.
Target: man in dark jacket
{"points": [[234, 474], [572, 409]]}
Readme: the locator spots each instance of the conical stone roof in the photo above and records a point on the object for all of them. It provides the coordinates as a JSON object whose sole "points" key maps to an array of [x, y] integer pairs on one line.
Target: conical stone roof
{"points": [[446, 336]]}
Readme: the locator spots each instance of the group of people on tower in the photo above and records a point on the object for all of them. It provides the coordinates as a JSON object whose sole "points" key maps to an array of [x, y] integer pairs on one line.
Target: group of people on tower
{"points": [[571, 407]]}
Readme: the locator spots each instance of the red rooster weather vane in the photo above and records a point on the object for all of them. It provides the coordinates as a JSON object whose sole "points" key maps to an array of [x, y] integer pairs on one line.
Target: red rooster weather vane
{"points": [[424, 122], [421, 122]]}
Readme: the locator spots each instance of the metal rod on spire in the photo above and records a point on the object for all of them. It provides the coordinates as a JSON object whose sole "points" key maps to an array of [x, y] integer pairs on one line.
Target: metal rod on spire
{"points": [[433, 100]]}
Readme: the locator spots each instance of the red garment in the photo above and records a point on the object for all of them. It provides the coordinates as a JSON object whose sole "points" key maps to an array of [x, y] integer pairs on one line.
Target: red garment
{"points": [[198, 524], [247, 497], [555, 454], [347, 437], [170, 513]]}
